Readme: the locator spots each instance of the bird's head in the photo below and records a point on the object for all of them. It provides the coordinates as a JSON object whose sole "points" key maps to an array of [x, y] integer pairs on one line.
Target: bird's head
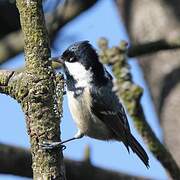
{"points": [[81, 61]]}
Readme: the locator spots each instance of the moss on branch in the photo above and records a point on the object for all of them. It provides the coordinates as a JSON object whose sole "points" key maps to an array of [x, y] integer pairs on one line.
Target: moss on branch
{"points": [[131, 94], [36, 91]]}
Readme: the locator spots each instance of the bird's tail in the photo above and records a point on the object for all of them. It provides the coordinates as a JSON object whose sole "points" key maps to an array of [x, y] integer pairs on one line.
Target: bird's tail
{"points": [[138, 149]]}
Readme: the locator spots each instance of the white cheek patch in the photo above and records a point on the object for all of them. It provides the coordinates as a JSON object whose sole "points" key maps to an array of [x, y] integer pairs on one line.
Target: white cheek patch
{"points": [[79, 73]]}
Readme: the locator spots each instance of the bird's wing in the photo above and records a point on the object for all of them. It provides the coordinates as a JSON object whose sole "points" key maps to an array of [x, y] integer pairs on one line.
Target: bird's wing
{"points": [[106, 106]]}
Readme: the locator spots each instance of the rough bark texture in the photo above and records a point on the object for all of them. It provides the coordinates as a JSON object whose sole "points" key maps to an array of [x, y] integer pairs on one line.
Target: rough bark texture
{"points": [[35, 89], [150, 21]]}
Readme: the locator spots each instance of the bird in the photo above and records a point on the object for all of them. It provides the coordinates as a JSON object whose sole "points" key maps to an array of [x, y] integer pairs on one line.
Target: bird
{"points": [[94, 106]]}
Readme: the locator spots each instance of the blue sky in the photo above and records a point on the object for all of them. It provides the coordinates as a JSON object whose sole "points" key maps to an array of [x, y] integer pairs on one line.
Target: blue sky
{"points": [[101, 21]]}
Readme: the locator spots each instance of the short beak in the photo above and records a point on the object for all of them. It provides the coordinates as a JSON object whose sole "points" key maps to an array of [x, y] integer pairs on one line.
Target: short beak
{"points": [[58, 60]]}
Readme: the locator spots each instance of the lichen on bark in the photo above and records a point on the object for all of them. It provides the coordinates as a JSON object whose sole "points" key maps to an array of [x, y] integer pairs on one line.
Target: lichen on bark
{"points": [[131, 93], [35, 88]]}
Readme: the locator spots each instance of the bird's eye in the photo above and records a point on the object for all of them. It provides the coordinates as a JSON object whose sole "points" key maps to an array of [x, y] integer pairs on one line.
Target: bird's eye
{"points": [[72, 59], [69, 56]]}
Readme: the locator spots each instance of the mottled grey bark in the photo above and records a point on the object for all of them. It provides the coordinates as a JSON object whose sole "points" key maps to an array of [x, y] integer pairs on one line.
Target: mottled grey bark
{"points": [[39, 91]]}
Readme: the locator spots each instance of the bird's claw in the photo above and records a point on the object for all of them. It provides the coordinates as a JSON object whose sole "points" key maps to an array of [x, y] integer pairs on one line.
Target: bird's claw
{"points": [[52, 145]]}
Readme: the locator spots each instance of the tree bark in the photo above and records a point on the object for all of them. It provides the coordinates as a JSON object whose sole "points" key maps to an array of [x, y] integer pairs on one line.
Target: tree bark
{"points": [[36, 89], [148, 21]]}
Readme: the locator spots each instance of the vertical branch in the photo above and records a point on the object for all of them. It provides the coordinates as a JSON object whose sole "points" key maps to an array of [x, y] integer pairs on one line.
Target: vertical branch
{"points": [[37, 92]]}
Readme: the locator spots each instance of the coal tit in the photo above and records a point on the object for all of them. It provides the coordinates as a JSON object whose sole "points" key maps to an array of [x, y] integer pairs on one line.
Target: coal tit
{"points": [[94, 106]]}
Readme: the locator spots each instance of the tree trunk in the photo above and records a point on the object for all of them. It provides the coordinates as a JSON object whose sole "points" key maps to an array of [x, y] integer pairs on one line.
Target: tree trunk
{"points": [[39, 91]]}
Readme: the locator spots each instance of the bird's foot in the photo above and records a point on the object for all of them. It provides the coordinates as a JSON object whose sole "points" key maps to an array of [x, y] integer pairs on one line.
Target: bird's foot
{"points": [[52, 145]]}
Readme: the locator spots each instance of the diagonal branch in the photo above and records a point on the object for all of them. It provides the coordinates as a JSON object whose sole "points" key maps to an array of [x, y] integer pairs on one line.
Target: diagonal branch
{"points": [[17, 161], [13, 43], [131, 95]]}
